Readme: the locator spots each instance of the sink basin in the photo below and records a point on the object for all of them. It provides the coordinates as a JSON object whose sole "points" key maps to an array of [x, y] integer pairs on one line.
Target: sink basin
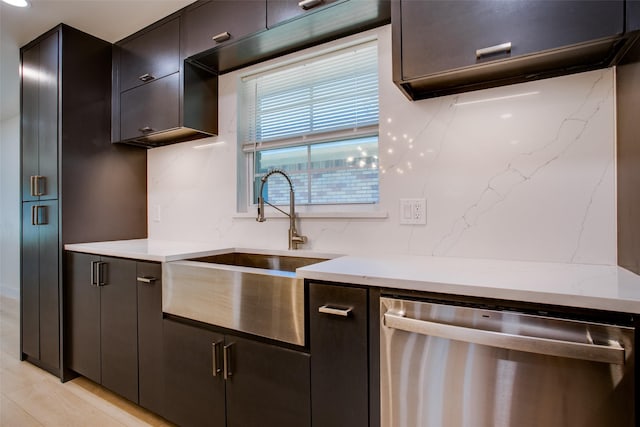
{"points": [[256, 293], [265, 261]]}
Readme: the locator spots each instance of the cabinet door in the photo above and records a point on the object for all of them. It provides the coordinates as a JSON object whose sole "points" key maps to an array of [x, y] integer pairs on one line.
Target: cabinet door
{"points": [[150, 108], [267, 385], [119, 327], [282, 10], [39, 120], [442, 35], [193, 395], [48, 118], [150, 363], [49, 250], [339, 355], [151, 55], [40, 293], [29, 120], [30, 288], [216, 17], [82, 311]]}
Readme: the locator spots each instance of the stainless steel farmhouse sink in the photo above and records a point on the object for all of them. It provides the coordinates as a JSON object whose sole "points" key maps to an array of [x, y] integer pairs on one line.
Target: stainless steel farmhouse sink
{"points": [[256, 293]]}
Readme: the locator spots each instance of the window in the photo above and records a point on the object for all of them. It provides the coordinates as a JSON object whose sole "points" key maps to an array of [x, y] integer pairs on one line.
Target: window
{"points": [[317, 120]]}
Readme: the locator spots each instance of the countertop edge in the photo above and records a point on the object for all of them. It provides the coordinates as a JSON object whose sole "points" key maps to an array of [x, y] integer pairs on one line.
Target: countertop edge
{"points": [[481, 291]]}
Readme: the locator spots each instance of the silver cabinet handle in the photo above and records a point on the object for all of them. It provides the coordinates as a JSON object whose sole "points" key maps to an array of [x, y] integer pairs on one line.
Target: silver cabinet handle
{"points": [[98, 278], [503, 47], [308, 4], [327, 309], [144, 279], [613, 353], [94, 281], [146, 77], [226, 360], [146, 129], [36, 217], [222, 37], [32, 185], [215, 350], [35, 187]]}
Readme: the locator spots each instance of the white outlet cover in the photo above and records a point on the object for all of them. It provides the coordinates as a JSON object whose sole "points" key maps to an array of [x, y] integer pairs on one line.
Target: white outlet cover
{"points": [[413, 211]]}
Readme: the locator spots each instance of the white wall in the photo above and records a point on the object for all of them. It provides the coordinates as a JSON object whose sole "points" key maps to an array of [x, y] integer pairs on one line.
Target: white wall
{"points": [[526, 177], [9, 168]]}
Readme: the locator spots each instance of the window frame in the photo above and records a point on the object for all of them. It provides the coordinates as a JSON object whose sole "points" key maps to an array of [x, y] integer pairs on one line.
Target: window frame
{"points": [[247, 151]]}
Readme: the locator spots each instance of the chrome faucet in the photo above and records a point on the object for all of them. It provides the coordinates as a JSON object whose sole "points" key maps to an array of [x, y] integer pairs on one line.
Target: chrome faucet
{"points": [[294, 238]]}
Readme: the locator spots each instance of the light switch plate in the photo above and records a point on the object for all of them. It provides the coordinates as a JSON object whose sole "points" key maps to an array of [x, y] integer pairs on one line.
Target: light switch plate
{"points": [[413, 211]]}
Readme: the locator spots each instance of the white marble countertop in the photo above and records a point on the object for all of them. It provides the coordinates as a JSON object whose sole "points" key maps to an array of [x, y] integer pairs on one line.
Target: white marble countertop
{"points": [[573, 285], [148, 250]]}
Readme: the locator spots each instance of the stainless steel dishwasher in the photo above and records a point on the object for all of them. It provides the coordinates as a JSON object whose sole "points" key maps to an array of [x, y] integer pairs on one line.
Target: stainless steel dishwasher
{"points": [[448, 366]]}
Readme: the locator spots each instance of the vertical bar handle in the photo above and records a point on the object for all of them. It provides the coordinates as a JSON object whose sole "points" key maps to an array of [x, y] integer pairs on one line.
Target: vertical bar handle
{"points": [[101, 276], [39, 215], [35, 187], [94, 282], [226, 360], [215, 350]]}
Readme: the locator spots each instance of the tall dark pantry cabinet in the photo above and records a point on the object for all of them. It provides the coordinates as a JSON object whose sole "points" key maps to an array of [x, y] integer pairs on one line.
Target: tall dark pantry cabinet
{"points": [[76, 186]]}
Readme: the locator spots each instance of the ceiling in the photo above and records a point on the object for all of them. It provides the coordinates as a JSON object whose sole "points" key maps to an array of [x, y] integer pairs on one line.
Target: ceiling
{"points": [[110, 20]]}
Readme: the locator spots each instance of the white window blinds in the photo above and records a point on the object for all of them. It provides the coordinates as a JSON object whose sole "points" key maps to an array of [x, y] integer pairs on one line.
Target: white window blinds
{"points": [[323, 98]]}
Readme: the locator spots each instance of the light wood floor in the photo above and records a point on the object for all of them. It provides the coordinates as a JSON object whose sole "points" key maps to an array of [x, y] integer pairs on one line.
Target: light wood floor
{"points": [[30, 396]]}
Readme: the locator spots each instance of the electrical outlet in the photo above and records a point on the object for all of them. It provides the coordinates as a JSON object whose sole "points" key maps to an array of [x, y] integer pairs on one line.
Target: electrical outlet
{"points": [[413, 211], [156, 213]]}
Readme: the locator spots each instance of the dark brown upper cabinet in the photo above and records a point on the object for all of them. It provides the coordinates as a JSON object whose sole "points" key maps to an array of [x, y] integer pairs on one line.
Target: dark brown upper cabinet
{"points": [[152, 55], [443, 47], [208, 24], [291, 28], [279, 11], [157, 98]]}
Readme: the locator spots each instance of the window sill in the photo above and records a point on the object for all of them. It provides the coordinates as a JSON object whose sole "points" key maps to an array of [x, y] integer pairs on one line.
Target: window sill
{"points": [[318, 212]]}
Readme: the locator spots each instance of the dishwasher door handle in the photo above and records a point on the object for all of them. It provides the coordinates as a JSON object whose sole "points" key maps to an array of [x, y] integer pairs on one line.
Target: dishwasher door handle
{"points": [[614, 353]]}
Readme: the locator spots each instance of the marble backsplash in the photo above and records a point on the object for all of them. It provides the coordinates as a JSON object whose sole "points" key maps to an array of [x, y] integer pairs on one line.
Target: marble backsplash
{"points": [[521, 172]]}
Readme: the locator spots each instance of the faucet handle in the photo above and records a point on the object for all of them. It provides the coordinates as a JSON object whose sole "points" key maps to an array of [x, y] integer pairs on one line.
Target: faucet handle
{"points": [[296, 240]]}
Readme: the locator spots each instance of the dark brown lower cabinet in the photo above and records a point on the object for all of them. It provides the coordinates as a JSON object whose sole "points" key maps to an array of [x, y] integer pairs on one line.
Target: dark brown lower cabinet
{"points": [[114, 325], [338, 334], [150, 347], [213, 379], [102, 321]]}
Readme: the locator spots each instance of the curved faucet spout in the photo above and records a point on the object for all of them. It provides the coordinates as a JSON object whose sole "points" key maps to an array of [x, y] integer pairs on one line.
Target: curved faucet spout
{"points": [[294, 238]]}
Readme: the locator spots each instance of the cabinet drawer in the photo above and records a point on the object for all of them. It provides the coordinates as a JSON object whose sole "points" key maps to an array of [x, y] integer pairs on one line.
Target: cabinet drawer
{"points": [[151, 55], [440, 36], [282, 10], [150, 108], [227, 20], [339, 355]]}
